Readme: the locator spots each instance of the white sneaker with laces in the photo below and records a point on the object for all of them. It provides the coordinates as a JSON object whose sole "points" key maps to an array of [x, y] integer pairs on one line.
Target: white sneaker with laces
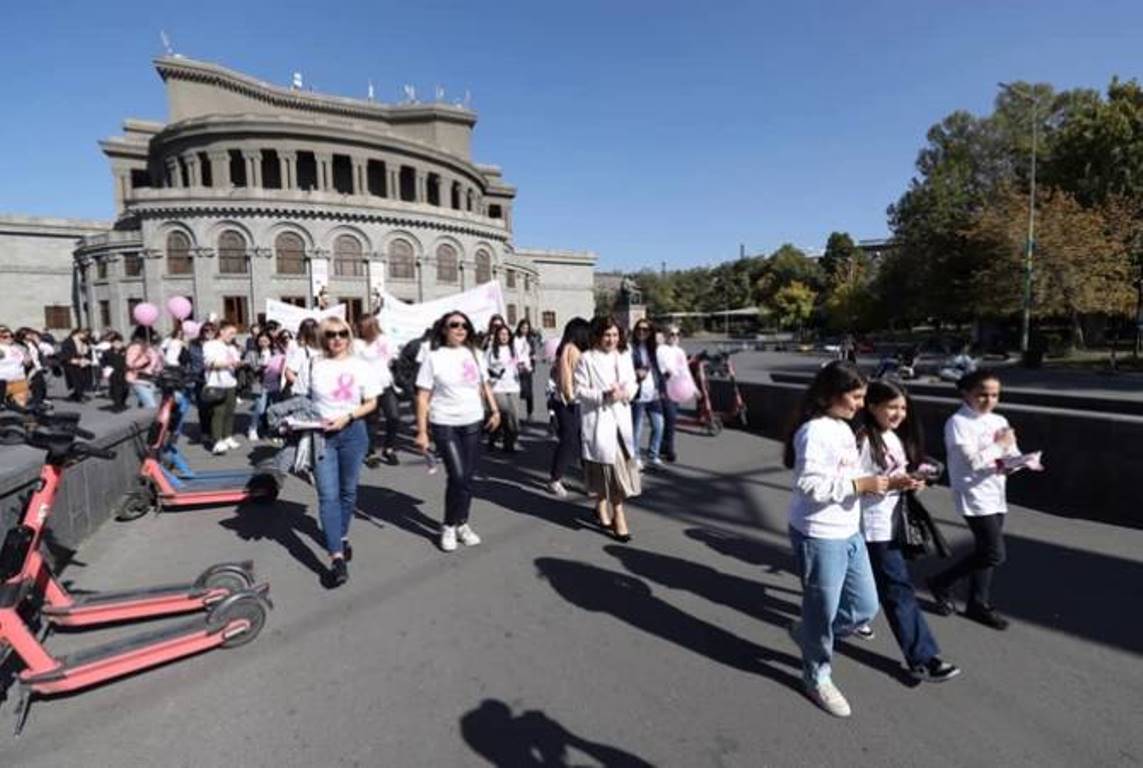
{"points": [[558, 489], [448, 538], [826, 695], [220, 448], [467, 536], [233, 442]]}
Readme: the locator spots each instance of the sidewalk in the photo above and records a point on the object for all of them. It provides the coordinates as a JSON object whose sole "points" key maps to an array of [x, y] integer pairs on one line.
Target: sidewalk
{"points": [[552, 639]]}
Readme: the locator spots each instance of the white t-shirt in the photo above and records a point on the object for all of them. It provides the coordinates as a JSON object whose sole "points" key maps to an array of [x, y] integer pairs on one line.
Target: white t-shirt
{"points": [[672, 359], [377, 355], [339, 386], [523, 351], [172, 350], [217, 352], [825, 504], [454, 375], [970, 443], [505, 361], [12, 362], [877, 511], [298, 360]]}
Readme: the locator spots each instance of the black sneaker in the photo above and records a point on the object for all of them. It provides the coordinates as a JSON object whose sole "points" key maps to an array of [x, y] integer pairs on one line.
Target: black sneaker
{"points": [[986, 616], [340, 572], [935, 671], [373, 461], [942, 597], [390, 458], [346, 550]]}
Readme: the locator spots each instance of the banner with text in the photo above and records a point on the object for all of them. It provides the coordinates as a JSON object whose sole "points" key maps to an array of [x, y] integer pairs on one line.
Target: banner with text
{"points": [[291, 317], [404, 322]]}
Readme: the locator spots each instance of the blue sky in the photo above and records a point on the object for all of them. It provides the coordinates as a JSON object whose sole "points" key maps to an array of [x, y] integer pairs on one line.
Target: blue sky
{"points": [[648, 132]]}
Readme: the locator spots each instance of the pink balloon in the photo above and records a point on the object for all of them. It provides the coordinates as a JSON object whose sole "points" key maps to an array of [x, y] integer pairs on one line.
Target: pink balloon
{"points": [[190, 329], [180, 307], [146, 314], [550, 347], [680, 387]]}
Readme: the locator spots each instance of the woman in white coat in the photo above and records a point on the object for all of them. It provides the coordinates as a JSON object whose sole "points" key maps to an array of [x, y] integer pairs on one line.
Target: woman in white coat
{"points": [[604, 387]]}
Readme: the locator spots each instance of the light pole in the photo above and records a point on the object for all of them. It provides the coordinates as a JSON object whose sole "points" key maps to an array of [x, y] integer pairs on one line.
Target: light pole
{"points": [[1029, 249]]}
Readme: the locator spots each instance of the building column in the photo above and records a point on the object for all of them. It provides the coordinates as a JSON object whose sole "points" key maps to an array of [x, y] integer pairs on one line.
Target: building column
{"points": [[193, 177], [359, 185], [286, 162], [253, 160], [324, 171], [173, 174], [219, 168], [393, 189]]}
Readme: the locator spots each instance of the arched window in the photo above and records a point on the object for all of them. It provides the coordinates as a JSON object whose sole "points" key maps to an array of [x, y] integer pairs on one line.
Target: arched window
{"points": [[291, 254], [232, 253], [401, 264], [483, 266], [178, 254], [347, 258], [446, 264]]}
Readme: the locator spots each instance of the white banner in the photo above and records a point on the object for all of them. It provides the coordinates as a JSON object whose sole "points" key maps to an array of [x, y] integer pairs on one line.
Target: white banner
{"points": [[291, 317], [404, 322]]}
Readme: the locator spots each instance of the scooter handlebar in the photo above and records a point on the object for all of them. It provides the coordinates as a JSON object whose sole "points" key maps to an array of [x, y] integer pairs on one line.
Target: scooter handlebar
{"points": [[87, 449]]}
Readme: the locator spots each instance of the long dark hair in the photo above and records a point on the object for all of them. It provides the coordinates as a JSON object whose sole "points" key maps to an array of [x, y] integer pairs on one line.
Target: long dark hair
{"points": [[494, 344], [832, 381], [307, 334], [651, 343], [600, 326], [882, 391], [440, 330], [577, 332]]}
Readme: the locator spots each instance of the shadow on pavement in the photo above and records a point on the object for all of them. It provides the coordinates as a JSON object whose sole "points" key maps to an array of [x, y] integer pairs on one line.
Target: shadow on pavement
{"points": [[631, 600], [532, 739], [775, 558], [398, 509], [285, 522]]}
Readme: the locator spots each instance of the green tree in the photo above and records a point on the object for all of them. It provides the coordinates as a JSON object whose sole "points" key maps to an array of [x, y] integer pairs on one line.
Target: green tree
{"points": [[793, 304], [842, 258]]}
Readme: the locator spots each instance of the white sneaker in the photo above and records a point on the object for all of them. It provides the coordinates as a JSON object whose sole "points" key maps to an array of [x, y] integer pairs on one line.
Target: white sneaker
{"points": [[233, 442], [220, 448], [558, 489], [639, 464], [828, 697], [467, 536], [656, 461], [448, 538], [252, 435]]}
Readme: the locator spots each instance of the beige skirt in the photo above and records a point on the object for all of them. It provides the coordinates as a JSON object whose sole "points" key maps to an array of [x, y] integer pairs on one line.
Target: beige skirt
{"points": [[616, 481]]}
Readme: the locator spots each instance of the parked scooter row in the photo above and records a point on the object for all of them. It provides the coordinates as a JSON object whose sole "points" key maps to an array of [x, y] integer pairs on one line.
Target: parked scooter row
{"points": [[32, 600]]}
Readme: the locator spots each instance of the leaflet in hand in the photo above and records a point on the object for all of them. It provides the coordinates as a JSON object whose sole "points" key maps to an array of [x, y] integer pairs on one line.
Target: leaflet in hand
{"points": [[302, 424], [1029, 461]]}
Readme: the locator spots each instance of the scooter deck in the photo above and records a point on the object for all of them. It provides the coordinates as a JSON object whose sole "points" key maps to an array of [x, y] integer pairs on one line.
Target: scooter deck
{"points": [[125, 595]]}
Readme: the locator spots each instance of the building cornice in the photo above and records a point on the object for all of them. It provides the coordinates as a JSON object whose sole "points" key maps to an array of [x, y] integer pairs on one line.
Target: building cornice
{"points": [[44, 226]]}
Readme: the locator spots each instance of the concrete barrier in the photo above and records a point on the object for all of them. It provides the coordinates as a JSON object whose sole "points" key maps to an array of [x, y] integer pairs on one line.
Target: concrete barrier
{"points": [[90, 490], [1091, 458]]}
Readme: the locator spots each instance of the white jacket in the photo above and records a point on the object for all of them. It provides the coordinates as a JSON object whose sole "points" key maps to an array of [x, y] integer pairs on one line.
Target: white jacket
{"points": [[603, 422]]}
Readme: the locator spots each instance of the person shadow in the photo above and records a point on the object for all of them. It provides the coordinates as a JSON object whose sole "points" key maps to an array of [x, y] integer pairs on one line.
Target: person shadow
{"points": [[286, 523], [533, 739], [630, 600], [384, 505], [775, 558]]}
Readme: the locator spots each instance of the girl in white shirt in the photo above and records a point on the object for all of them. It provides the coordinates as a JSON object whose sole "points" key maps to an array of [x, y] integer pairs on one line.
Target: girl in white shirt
{"points": [[345, 389], [605, 385], [976, 439], [838, 591], [452, 391], [672, 362], [525, 364], [375, 348], [504, 373], [890, 442]]}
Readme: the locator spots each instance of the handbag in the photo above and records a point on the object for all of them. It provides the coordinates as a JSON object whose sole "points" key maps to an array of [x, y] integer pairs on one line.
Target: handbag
{"points": [[212, 395], [916, 532]]}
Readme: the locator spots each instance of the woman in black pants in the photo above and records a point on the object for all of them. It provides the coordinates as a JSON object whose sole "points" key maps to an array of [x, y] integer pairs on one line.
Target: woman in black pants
{"points": [[576, 339], [525, 364], [374, 347]]}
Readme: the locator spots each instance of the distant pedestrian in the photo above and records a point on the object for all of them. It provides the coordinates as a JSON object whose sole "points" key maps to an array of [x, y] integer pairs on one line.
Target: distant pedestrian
{"points": [[376, 349], [452, 393], [565, 408], [648, 403], [673, 363], [838, 591], [13, 367], [221, 359], [503, 373], [976, 440], [523, 345], [144, 362], [890, 440]]}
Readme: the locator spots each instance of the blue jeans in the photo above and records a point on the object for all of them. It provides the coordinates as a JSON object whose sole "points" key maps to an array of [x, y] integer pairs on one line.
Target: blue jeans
{"points": [[336, 474], [260, 405], [145, 393], [895, 589], [838, 595], [653, 410], [459, 449]]}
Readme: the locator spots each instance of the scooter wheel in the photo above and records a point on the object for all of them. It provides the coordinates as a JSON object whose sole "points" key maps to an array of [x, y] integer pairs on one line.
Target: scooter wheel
{"points": [[136, 504], [714, 426], [227, 577], [240, 606]]}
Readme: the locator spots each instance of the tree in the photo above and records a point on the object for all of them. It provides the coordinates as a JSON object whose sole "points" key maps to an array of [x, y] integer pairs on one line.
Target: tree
{"points": [[842, 258], [793, 304]]}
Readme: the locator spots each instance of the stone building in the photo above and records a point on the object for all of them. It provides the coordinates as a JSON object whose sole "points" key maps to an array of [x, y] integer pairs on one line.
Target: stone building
{"points": [[253, 191]]}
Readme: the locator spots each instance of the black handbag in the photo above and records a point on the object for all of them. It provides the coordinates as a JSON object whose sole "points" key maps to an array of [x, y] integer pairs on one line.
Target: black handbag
{"points": [[212, 395], [917, 533]]}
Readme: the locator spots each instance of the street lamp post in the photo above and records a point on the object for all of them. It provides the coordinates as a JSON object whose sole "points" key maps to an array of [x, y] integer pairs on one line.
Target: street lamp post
{"points": [[1030, 246]]}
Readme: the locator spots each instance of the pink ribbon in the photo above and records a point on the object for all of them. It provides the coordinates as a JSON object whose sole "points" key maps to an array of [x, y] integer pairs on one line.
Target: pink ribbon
{"points": [[344, 391]]}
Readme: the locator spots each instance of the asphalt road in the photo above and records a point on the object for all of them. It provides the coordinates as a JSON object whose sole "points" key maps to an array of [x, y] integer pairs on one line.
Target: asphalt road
{"points": [[550, 644]]}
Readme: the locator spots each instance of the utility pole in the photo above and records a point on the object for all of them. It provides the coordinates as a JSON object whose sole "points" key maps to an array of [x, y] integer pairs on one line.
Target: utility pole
{"points": [[1030, 246]]}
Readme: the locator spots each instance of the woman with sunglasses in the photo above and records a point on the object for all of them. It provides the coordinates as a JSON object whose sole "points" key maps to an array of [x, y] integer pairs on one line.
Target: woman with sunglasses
{"points": [[344, 388], [648, 404], [672, 362], [452, 390]]}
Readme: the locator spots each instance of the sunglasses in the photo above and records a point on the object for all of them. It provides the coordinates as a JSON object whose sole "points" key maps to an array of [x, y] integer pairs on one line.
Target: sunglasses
{"points": [[337, 334], [458, 324]]}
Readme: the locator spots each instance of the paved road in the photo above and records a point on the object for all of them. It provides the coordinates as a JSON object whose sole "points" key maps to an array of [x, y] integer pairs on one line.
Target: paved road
{"points": [[552, 645]]}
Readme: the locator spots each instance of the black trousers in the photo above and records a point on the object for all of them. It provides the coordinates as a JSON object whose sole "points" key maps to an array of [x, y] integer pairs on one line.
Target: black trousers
{"points": [[459, 449], [981, 564], [388, 408], [567, 435], [527, 392]]}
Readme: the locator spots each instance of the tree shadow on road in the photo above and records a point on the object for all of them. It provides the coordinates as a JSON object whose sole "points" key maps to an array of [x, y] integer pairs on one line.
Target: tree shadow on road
{"points": [[284, 522], [630, 600], [532, 739]]}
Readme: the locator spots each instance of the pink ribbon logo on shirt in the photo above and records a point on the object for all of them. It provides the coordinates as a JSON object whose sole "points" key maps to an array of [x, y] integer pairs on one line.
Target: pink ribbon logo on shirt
{"points": [[469, 372], [344, 390]]}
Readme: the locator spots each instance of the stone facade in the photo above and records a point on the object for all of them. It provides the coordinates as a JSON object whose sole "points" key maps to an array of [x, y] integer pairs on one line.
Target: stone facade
{"points": [[256, 192], [36, 269]]}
